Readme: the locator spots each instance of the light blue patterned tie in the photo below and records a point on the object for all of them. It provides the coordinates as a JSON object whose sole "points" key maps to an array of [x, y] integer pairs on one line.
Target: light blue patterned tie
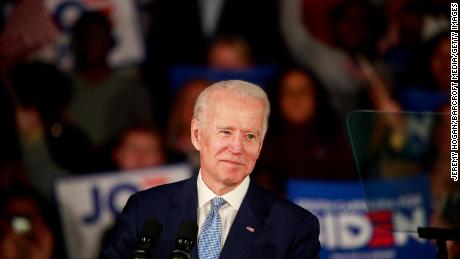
{"points": [[211, 231]]}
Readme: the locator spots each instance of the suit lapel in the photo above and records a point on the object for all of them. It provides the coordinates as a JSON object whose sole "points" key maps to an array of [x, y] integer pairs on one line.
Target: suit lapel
{"points": [[247, 226], [185, 209]]}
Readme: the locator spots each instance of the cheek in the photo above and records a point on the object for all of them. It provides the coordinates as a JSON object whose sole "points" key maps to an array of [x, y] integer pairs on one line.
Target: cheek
{"points": [[252, 152], [213, 146]]}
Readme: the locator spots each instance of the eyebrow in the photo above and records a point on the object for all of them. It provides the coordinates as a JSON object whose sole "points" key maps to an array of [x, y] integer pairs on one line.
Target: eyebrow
{"points": [[225, 128], [245, 131]]}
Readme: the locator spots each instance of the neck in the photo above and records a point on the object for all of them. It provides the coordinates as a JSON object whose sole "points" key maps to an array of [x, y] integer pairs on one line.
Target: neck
{"points": [[218, 188]]}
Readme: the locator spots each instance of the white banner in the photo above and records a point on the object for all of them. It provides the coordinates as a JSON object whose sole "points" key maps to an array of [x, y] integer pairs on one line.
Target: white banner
{"points": [[88, 204]]}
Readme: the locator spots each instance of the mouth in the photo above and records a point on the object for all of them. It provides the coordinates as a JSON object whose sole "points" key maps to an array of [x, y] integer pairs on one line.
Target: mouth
{"points": [[232, 162]]}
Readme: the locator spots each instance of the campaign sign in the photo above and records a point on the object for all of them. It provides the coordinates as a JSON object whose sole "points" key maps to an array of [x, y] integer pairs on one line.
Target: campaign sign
{"points": [[88, 205], [126, 28], [380, 225]]}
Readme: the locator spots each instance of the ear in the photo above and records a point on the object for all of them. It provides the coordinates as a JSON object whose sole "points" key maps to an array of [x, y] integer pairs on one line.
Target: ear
{"points": [[195, 134]]}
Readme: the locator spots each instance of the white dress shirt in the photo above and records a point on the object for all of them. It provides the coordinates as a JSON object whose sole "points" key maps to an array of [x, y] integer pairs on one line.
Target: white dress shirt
{"points": [[227, 212]]}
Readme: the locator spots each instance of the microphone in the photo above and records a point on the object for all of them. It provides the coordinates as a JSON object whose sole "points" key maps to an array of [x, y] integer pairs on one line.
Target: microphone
{"points": [[149, 236], [185, 239]]}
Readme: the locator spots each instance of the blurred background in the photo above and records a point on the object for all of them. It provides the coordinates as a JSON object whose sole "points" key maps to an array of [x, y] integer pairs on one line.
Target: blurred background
{"points": [[104, 87]]}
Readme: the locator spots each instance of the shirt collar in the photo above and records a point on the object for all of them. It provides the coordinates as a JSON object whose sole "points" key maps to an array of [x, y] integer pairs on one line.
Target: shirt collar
{"points": [[234, 198]]}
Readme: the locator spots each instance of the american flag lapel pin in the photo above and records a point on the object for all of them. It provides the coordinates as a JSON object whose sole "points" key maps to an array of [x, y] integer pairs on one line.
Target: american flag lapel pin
{"points": [[250, 229]]}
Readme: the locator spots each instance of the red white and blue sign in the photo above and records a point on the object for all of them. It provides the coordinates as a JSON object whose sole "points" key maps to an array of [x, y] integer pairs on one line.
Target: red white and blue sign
{"points": [[379, 224]]}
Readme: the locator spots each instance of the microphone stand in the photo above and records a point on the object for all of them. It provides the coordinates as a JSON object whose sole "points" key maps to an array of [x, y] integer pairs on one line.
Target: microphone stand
{"points": [[441, 235]]}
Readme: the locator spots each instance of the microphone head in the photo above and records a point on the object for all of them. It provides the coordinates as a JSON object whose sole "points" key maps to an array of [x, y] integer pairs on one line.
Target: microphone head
{"points": [[151, 230], [185, 240], [188, 230], [148, 237]]}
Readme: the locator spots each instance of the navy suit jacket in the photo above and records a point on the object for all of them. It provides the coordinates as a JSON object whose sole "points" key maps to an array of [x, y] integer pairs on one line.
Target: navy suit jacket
{"points": [[281, 228]]}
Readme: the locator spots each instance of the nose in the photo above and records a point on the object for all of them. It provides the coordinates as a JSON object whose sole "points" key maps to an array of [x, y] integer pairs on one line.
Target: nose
{"points": [[236, 144]]}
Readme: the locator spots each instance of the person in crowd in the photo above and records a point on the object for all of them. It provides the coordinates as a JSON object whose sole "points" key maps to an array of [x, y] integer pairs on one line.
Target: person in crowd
{"points": [[423, 87], [426, 86], [355, 28], [235, 218], [306, 140], [139, 147], [181, 33], [106, 100], [179, 123], [229, 53], [51, 144], [402, 40], [25, 226]]}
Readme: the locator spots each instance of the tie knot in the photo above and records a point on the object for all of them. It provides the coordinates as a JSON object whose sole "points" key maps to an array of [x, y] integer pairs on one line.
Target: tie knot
{"points": [[217, 202]]}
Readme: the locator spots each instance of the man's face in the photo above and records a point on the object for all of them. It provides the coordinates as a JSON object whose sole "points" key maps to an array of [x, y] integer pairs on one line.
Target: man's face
{"points": [[229, 139]]}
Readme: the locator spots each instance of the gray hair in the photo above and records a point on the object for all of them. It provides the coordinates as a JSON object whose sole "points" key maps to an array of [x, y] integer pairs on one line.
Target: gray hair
{"points": [[238, 87]]}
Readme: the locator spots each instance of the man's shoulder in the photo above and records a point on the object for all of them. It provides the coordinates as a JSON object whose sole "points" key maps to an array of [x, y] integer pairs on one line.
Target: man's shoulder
{"points": [[281, 206], [295, 228]]}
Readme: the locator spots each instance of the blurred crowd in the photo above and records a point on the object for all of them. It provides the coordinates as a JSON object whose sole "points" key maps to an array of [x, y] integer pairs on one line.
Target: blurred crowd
{"points": [[329, 57]]}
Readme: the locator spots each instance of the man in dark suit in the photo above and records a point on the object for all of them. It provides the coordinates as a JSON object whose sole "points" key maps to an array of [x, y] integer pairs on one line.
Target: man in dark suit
{"points": [[236, 218]]}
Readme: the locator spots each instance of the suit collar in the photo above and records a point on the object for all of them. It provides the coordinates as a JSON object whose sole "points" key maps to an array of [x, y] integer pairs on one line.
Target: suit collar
{"points": [[248, 224], [187, 193]]}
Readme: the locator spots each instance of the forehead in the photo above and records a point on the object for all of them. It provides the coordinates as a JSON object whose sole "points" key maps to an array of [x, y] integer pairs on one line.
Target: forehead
{"points": [[233, 109]]}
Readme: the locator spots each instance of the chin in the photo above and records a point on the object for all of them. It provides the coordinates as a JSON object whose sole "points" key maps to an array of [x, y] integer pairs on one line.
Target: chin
{"points": [[233, 181], [234, 175], [232, 169]]}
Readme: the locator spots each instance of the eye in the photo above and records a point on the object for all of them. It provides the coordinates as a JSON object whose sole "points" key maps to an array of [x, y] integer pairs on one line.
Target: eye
{"points": [[251, 136], [225, 132]]}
